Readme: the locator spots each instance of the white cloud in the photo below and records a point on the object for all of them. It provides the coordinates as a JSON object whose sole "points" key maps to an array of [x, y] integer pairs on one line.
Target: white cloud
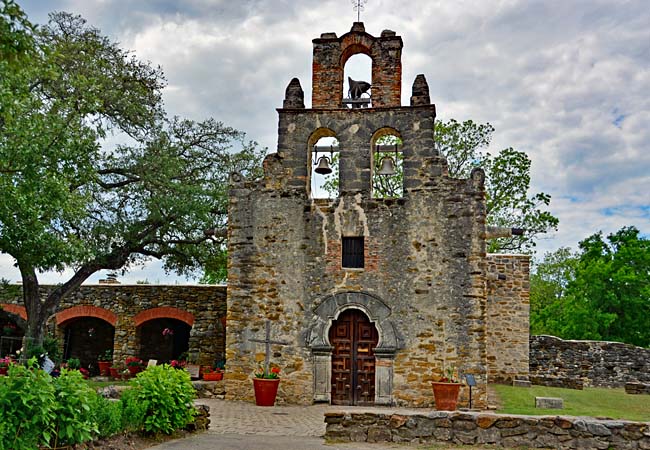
{"points": [[567, 82]]}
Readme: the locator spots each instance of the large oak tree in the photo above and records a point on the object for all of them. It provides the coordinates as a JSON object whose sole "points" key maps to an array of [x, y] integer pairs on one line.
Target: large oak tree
{"points": [[70, 201]]}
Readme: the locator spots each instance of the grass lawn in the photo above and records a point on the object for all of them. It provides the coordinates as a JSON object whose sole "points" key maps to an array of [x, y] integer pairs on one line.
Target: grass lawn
{"points": [[595, 402]]}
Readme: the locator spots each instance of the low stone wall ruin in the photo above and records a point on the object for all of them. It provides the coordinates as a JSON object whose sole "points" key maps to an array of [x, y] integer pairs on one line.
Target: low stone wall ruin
{"points": [[560, 363], [461, 428]]}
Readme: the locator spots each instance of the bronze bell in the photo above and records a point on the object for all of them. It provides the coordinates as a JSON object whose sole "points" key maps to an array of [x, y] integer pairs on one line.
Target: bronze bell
{"points": [[387, 166], [323, 166]]}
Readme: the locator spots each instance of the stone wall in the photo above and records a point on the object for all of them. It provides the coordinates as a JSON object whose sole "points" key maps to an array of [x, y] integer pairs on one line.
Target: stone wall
{"points": [[459, 428], [128, 307], [331, 54], [424, 285], [508, 308], [595, 363]]}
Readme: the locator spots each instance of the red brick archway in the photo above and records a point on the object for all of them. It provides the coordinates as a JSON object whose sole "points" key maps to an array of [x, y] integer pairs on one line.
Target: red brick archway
{"points": [[163, 312], [86, 311], [15, 309]]}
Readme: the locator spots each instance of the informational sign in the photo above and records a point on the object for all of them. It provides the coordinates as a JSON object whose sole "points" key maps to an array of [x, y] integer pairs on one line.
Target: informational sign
{"points": [[193, 370], [470, 380], [152, 362], [47, 365]]}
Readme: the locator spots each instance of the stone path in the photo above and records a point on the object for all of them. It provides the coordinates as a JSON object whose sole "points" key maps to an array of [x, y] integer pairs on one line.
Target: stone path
{"points": [[246, 418], [240, 425]]}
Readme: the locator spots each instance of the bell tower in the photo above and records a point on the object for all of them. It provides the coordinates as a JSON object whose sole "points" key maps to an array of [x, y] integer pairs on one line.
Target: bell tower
{"points": [[331, 53], [372, 294]]}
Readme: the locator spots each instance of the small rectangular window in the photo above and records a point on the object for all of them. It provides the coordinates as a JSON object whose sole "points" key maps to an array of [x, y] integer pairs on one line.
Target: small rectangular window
{"points": [[352, 252]]}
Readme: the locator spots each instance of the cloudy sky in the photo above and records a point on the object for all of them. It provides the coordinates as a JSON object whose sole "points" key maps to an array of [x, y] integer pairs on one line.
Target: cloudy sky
{"points": [[568, 82]]}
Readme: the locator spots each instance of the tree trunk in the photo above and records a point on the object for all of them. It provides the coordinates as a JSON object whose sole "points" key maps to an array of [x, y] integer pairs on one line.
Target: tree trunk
{"points": [[36, 316]]}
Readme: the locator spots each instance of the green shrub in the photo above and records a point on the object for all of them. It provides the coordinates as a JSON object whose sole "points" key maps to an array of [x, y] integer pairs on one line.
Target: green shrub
{"points": [[74, 363], [53, 348], [28, 404], [107, 415], [168, 394], [133, 411], [73, 422]]}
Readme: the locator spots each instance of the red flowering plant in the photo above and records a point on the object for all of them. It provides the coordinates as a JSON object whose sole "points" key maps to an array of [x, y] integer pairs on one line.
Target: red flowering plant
{"points": [[5, 362], [270, 373], [132, 361], [178, 364]]}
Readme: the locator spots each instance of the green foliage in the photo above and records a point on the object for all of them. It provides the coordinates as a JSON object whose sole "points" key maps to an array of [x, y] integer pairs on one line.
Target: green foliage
{"points": [[134, 410], [107, 415], [74, 363], [507, 182], [168, 394], [53, 348], [601, 293], [15, 33], [68, 200], [73, 422], [28, 405], [593, 402], [548, 283]]}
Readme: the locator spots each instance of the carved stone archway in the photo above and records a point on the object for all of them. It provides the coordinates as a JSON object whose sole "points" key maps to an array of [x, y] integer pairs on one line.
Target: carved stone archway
{"points": [[389, 342]]}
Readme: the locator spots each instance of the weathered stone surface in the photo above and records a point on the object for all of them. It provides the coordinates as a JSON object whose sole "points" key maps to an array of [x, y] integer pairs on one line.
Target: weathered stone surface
{"points": [[549, 403], [556, 362], [125, 311], [520, 431], [423, 284], [379, 434]]}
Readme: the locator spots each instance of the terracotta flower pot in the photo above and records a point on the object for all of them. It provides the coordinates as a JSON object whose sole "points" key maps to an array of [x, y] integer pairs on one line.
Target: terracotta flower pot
{"points": [[104, 367], [3, 370], [213, 376], [265, 391], [445, 395]]}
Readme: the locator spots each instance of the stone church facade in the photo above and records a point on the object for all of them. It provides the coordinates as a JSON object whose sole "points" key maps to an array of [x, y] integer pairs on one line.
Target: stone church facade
{"points": [[422, 297]]}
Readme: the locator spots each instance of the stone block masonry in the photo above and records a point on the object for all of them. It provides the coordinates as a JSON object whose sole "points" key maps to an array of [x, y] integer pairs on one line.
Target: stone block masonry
{"points": [[459, 428], [127, 307], [508, 310], [556, 362]]}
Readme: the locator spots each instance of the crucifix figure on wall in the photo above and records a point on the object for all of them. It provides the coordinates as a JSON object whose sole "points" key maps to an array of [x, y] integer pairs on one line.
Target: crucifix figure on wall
{"points": [[267, 340]]}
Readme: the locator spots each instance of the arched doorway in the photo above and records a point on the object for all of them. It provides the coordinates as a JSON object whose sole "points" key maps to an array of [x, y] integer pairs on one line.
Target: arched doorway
{"points": [[163, 339], [11, 333], [86, 338], [353, 339]]}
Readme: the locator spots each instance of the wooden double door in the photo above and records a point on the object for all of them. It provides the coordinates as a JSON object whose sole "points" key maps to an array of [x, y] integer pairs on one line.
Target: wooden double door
{"points": [[354, 339]]}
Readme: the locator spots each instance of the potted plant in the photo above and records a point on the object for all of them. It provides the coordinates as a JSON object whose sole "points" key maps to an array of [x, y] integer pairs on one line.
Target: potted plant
{"points": [[104, 361], [214, 373], [445, 390], [134, 365], [4, 365], [266, 383], [116, 370], [8, 329]]}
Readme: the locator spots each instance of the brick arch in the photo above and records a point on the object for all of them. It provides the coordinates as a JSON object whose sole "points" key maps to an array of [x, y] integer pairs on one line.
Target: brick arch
{"points": [[163, 312], [14, 309], [76, 312]]}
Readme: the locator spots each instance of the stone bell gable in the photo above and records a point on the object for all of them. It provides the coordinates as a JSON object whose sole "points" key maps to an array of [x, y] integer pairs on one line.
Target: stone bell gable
{"points": [[415, 302]]}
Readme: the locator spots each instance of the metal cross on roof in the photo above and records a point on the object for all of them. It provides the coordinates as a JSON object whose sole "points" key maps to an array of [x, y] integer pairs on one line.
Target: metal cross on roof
{"points": [[358, 7], [267, 340]]}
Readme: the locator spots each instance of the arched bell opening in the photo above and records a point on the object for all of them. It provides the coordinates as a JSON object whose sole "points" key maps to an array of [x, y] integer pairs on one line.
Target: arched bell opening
{"points": [[324, 163], [357, 79], [163, 339], [12, 331], [387, 164], [87, 338]]}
